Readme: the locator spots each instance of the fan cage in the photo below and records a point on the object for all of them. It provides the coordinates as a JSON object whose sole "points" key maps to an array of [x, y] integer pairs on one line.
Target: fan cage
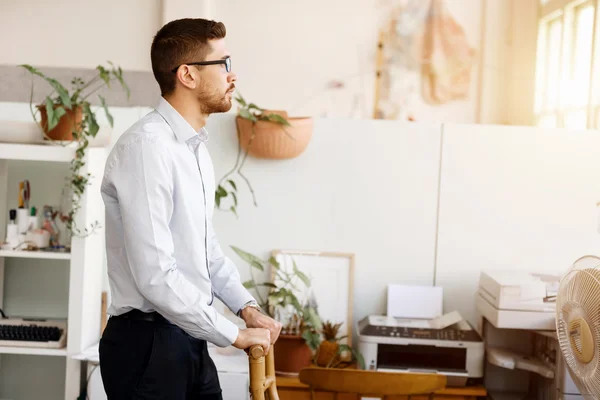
{"points": [[579, 300]]}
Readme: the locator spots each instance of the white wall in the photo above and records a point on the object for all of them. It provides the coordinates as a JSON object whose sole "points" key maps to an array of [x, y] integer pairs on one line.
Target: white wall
{"points": [[285, 53], [509, 197], [514, 198], [365, 187], [78, 34]]}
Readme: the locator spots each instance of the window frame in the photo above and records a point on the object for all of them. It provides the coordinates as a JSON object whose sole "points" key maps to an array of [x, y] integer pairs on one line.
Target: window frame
{"points": [[563, 10]]}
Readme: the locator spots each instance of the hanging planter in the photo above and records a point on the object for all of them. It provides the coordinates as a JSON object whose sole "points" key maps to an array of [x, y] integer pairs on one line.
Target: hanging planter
{"points": [[272, 140], [263, 134]]}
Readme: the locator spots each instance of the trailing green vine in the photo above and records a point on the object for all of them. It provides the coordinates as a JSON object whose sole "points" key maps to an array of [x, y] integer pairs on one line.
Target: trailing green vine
{"points": [[57, 105]]}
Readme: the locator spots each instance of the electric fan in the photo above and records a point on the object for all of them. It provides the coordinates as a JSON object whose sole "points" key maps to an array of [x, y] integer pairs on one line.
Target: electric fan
{"points": [[578, 324]]}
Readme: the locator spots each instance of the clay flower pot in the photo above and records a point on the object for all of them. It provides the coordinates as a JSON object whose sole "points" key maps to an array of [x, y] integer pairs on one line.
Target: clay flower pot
{"points": [[68, 123], [291, 355], [273, 140]]}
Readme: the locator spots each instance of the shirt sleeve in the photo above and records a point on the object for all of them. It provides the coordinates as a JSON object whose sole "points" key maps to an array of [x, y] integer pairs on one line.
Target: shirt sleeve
{"points": [[143, 182], [225, 277]]}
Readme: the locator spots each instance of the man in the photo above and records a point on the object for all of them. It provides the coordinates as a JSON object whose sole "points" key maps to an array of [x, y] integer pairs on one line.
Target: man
{"points": [[165, 264]]}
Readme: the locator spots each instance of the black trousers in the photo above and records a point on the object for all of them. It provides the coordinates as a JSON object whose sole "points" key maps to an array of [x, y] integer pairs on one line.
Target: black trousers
{"points": [[145, 357]]}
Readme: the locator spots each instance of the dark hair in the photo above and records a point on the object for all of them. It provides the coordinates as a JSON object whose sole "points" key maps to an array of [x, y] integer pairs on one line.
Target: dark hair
{"points": [[178, 42]]}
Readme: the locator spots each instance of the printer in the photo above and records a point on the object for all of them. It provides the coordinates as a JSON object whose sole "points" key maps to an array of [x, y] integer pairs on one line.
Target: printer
{"points": [[445, 345], [517, 299]]}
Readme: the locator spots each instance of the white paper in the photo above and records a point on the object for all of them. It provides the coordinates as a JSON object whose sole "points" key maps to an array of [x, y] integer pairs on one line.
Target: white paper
{"points": [[411, 301]]}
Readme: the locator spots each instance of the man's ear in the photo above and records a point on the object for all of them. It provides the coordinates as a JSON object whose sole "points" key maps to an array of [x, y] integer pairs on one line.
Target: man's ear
{"points": [[186, 77]]}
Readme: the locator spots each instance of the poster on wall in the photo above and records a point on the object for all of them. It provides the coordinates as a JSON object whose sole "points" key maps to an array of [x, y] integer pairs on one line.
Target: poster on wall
{"points": [[421, 50]]}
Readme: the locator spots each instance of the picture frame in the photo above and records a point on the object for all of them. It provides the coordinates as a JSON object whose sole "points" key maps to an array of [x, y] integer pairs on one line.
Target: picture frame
{"points": [[332, 282]]}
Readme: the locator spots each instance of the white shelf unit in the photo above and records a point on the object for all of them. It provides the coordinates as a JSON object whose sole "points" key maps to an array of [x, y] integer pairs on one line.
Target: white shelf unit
{"points": [[35, 254], [32, 351], [85, 261]]}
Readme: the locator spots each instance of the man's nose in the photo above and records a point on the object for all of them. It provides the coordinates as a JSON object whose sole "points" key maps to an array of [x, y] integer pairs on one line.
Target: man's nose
{"points": [[232, 77]]}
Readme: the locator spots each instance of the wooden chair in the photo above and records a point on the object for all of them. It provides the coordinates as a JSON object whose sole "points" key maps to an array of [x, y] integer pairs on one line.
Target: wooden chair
{"points": [[262, 374], [371, 383]]}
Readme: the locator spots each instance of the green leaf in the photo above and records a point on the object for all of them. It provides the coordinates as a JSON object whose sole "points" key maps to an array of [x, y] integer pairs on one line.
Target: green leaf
{"points": [[232, 183], [278, 119], [235, 200], [221, 191], [90, 119], [52, 121], [254, 106], [311, 316], [59, 112], [232, 209], [108, 116], [273, 261], [301, 275], [104, 74], [249, 284], [244, 113], [241, 100], [269, 284], [312, 339], [249, 258], [294, 302], [63, 94]]}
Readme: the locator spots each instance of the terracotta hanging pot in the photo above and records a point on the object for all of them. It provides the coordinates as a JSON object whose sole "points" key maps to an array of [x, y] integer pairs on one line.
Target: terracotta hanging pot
{"points": [[291, 355], [273, 140], [68, 123]]}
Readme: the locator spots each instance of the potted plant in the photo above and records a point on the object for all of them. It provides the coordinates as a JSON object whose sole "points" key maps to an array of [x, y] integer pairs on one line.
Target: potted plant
{"points": [[330, 353], [66, 116], [263, 134], [300, 336]]}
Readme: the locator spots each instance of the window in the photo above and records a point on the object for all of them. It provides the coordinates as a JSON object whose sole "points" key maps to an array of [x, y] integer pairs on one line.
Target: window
{"points": [[565, 64]]}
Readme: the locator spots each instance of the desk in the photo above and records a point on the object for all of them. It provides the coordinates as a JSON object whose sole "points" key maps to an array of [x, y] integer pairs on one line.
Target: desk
{"points": [[292, 389]]}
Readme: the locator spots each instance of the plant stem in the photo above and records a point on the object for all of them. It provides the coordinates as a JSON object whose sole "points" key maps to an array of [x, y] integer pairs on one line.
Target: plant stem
{"points": [[237, 160], [242, 164], [92, 92], [90, 83]]}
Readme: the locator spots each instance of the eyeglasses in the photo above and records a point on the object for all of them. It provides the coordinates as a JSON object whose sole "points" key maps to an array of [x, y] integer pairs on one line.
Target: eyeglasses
{"points": [[226, 61]]}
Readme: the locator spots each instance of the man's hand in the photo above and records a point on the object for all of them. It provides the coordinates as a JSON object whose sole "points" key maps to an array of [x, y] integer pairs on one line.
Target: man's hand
{"points": [[255, 319], [249, 337]]}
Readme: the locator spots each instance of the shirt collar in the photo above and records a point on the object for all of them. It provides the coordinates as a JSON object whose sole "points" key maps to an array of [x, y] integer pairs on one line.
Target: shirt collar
{"points": [[183, 130]]}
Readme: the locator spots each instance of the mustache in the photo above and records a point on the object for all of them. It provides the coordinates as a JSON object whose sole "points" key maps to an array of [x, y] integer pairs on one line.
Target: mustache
{"points": [[231, 88]]}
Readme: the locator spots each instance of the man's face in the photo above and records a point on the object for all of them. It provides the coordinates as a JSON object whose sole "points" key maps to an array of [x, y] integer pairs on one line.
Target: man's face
{"points": [[215, 91]]}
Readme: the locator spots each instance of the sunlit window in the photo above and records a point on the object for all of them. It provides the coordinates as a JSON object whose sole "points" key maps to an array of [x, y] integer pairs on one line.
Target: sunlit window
{"points": [[563, 96]]}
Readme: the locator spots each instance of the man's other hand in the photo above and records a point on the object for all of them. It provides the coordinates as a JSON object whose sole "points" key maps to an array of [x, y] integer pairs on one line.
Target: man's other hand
{"points": [[249, 337], [255, 319]]}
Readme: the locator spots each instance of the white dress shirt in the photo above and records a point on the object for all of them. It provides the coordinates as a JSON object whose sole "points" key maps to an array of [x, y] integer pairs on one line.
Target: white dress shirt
{"points": [[162, 251]]}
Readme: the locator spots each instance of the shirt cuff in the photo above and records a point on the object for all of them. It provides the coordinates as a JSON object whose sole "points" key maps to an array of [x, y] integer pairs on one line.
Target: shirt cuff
{"points": [[237, 297], [227, 332]]}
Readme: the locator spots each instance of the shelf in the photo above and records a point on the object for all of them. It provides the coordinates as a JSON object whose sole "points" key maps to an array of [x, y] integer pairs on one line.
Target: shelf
{"points": [[39, 351], [45, 255], [36, 152]]}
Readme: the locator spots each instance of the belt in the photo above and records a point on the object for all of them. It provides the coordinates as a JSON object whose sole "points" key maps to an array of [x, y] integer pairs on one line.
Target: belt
{"points": [[143, 316]]}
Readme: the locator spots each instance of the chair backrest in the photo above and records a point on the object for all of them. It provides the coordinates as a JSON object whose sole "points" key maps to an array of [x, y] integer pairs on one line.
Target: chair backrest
{"points": [[262, 373], [371, 383]]}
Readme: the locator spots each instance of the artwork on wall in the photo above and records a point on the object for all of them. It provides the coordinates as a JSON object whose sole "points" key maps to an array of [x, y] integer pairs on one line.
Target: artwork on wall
{"points": [[332, 277], [421, 49]]}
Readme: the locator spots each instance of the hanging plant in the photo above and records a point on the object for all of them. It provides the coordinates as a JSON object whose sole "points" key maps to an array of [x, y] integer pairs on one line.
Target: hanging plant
{"points": [[264, 134]]}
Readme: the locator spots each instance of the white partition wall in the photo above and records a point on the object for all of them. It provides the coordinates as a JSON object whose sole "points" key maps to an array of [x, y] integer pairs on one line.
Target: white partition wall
{"points": [[366, 187], [513, 198]]}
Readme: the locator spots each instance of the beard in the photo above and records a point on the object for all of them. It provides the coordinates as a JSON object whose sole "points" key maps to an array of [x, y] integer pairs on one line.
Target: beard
{"points": [[213, 101]]}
